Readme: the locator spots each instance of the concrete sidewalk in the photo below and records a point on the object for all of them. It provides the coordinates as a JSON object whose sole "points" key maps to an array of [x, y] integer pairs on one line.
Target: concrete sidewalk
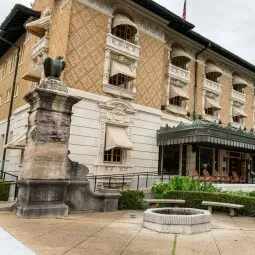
{"points": [[122, 233]]}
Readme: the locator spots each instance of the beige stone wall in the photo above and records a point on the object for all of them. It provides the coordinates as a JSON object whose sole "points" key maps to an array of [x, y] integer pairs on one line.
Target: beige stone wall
{"points": [[249, 107], [7, 82], [200, 81], [151, 72], [86, 49], [191, 68], [59, 30], [225, 98]]}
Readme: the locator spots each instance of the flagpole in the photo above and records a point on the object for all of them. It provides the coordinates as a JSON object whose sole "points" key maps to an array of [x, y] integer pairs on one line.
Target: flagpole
{"points": [[184, 10]]}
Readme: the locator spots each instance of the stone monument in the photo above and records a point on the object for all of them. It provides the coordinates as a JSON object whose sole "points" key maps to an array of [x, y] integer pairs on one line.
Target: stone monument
{"points": [[47, 172]]}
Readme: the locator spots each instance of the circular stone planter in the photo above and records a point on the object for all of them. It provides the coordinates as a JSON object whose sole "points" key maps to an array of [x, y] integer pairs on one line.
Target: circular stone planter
{"points": [[177, 220]]}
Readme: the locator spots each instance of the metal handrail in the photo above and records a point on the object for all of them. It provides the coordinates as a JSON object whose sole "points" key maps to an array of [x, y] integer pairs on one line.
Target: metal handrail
{"points": [[109, 178], [12, 182], [252, 175]]}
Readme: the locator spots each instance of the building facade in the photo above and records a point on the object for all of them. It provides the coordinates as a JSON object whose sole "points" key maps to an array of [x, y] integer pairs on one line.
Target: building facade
{"points": [[138, 67]]}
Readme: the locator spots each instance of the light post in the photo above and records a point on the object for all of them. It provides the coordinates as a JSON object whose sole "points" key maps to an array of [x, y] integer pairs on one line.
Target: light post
{"points": [[11, 103]]}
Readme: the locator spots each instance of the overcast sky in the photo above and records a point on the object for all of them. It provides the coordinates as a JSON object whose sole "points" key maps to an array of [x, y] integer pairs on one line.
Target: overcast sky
{"points": [[229, 23]]}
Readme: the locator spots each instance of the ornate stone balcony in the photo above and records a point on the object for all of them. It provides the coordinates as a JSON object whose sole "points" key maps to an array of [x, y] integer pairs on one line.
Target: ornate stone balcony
{"points": [[41, 48], [238, 96], [179, 73], [212, 86], [123, 47], [176, 109], [119, 91]]}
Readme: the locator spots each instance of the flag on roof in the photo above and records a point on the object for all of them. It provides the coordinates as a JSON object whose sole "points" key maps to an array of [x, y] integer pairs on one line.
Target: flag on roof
{"points": [[184, 10]]}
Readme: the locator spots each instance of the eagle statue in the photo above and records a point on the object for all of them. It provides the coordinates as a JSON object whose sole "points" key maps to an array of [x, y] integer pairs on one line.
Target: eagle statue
{"points": [[54, 67]]}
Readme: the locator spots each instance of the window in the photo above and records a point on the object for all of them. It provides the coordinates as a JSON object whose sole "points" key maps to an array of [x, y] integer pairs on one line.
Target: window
{"points": [[176, 101], [21, 54], [119, 80], [238, 119], [4, 69], [124, 32], [16, 93], [179, 62], [8, 95], [13, 61], [8, 150], [113, 156], [212, 77], [239, 88], [211, 111], [1, 145]]}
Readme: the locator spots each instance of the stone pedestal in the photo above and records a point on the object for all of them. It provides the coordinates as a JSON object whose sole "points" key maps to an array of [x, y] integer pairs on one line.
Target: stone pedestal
{"points": [[44, 177], [41, 198]]}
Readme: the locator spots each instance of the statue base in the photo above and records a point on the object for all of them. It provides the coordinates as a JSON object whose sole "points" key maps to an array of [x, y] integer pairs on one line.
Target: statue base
{"points": [[41, 199]]}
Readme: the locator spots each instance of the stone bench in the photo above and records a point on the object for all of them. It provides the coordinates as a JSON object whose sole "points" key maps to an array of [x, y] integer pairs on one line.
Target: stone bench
{"points": [[155, 202], [233, 207]]}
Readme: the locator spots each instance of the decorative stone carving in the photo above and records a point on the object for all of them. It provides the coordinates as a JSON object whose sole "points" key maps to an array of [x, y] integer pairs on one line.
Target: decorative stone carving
{"points": [[117, 112]]}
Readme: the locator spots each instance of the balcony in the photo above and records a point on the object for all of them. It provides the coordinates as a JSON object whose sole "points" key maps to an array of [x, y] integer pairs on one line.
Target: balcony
{"points": [[179, 73], [119, 91], [40, 48], [123, 47], [176, 109], [212, 86], [238, 96]]}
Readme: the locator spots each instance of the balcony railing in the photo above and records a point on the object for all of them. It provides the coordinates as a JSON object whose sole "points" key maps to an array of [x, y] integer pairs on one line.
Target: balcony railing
{"points": [[40, 48], [179, 73], [176, 109], [238, 96], [124, 47], [212, 86]]}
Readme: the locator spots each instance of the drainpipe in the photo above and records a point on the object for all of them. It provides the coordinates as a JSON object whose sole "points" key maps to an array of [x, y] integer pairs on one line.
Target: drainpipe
{"points": [[11, 103], [196, 74]]}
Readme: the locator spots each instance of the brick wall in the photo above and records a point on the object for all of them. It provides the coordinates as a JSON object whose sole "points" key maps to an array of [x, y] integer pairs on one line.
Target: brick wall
{"points": [[86, 49], [151, 72], [225, 98]]}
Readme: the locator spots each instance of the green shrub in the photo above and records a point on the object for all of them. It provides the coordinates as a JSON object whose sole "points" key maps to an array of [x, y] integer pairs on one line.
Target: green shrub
{"points": [[252, 193], [194, 199], [132, 200], [183, 183], [4, 190]]}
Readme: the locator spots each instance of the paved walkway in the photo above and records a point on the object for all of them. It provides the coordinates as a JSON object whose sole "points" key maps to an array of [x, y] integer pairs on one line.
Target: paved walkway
{"points": [[122, 233]]}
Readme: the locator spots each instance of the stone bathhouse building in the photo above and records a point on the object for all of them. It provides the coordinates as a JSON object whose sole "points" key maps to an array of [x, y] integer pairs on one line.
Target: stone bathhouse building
{"points": [[138, 67]]}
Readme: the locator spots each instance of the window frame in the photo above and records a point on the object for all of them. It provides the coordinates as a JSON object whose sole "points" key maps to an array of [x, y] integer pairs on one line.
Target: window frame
{"points": [[124, 32], [4, 69], [114, 153], [8, 95], [176, 101]]}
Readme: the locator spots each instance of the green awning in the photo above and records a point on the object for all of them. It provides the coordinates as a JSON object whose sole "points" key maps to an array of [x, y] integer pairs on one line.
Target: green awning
{"points": [[207, 133]]}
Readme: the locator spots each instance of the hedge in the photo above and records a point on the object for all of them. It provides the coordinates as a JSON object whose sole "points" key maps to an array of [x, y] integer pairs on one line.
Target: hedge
{"points": [[4, 191], [132, 200], [194, 199]]}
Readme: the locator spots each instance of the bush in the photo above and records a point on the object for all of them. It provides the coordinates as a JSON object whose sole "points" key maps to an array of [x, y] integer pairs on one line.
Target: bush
{"points": [[252, 193], [132, 200], [194, 199], [4, 190], [183, 183]]}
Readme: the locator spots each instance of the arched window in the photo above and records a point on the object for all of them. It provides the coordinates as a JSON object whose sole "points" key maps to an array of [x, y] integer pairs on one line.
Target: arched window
{"points": [[180, 58], [239, 84], [212, 72], [120, 74], [124, 28]]}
